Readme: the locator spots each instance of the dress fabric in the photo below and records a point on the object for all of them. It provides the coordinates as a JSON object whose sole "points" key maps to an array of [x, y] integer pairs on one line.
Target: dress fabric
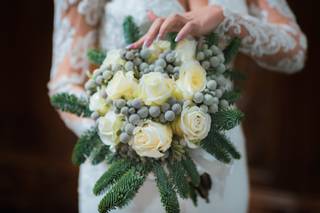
{"points": [[83, 24]]}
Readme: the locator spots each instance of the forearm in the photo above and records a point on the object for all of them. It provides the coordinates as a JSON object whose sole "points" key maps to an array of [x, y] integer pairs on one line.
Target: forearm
{"points": [[274, 42]]}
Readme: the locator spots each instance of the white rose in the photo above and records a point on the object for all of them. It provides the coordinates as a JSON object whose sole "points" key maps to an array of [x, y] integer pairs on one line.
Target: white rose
{"points": [[98, 104], [194, 124], [113, 58], [155, 88], [151, 139], [108, 127], [186, 50], [122, 85], [192, 79], [157, 48]]}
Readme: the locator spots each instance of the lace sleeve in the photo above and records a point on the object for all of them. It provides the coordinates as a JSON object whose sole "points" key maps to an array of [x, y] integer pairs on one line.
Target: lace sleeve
{"points": [[270, 35], [75, 31]]}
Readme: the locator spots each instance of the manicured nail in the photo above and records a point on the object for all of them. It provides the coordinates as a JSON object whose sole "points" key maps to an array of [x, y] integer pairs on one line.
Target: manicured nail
{"points": [[158, 37], [144, 45], [177, 39], [130, 46]]}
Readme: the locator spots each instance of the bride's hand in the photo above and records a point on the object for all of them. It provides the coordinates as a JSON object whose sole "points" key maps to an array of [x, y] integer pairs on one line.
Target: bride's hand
{"points": [[195, 23]]}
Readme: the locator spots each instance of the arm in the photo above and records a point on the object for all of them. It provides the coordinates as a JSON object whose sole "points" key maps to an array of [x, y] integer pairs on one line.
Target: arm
{"points": [[75, 25], [270, 36]]}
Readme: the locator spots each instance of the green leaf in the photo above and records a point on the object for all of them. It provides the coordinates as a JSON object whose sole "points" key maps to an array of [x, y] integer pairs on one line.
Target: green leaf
{"points": [[212, 39], [115, 171], [192, 171], [227, 119], [232, 50], [231, 96], [168, 195], [100, 154], [171, 38], [178, 176], [71, 103], [193, 194], [123, 191], [96, 57], [85, 145], [130, 30]]}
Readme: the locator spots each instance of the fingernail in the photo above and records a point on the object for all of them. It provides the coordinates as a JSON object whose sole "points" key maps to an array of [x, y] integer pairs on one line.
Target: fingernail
{"points": [[177, 39], [129, 46], [144, 45], [158, 37]]}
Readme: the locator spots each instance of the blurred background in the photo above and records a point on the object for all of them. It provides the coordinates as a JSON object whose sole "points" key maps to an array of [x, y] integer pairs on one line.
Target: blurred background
{"points": [[36, 173]]}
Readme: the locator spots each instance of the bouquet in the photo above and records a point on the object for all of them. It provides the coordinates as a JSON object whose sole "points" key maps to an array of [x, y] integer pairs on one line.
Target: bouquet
{"points": [[152, 106]]}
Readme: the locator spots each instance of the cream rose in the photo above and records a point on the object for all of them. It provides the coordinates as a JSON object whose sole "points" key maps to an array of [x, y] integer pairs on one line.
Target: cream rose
{"points": [[157, 48], [155, 88], [192, 79], [186, 50], [151, 139], [98, 104], [113, 58], [194, 124], [122, 85], [108, 128]]}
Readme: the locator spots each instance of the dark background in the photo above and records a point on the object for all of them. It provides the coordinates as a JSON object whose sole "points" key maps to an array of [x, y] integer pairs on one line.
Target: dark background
{"points": [[36, 174]]}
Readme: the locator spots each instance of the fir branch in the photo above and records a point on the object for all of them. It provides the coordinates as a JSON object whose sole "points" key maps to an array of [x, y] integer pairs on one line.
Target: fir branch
{"points": [[168, 195], [193, 194], [130, 30], [192, 171], [227, 119], [213, 147], [115, 171], [71, 103], [227, 145], [171, 38], [231, 96], [232, 50], [178, 176], [96, 56], [123, 191], [85, 145], [212, 39], [100, 154]]}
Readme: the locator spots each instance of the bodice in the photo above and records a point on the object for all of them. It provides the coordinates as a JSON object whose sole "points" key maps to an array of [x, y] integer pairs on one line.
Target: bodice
{"points": [[111, 35]]}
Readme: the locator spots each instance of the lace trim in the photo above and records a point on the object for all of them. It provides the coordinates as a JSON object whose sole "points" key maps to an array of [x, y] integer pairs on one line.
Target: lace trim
{"points": [[261, 39], [91, 10], [282, 7]]}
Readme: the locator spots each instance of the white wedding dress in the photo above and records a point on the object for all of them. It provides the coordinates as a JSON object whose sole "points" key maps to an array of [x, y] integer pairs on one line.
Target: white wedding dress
{"points": [[276, 46]]}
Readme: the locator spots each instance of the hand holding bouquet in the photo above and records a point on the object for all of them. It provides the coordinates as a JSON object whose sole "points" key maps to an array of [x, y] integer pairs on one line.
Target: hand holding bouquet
{"points": [[152, 106]]}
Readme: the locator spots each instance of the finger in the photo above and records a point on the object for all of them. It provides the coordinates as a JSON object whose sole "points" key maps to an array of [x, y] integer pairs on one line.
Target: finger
{"points": [[188, 29], [153, 31], [151, 15], [171, 24], [137, 44]]}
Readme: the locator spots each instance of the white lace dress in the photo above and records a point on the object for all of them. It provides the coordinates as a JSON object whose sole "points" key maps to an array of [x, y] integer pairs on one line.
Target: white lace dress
{"points": [[269, 34]]}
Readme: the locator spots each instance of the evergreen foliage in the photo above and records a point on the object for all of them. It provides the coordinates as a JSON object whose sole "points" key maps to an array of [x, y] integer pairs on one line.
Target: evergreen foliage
{"points": [[231, 96], [122, 191], [130, 30], [232, 50], [178, 176], [71, 103], [96, 56], [192, 171], [193, 194], [85, 145], [100, 154], [212, 39], [227, 119], [220, 147], [171, 37], [168, 195], [115, 171]]}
